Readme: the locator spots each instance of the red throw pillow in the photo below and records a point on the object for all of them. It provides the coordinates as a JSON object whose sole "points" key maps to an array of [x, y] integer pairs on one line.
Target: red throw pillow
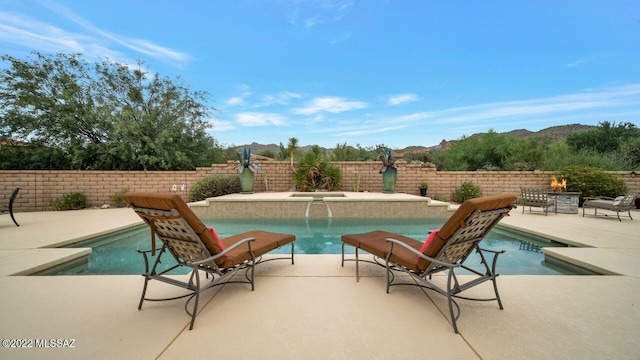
{"points": [[215, 236], [429, 239]]}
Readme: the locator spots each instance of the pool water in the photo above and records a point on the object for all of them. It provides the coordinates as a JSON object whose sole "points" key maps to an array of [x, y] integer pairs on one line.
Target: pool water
{"points": [[116, 254]]}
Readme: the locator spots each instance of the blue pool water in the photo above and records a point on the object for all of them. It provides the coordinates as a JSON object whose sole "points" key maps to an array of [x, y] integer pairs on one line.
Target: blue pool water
{"points": [[116, 254]]}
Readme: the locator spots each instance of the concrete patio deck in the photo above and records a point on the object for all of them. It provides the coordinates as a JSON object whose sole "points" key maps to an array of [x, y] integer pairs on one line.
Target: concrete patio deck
{"points": [[315, 309]]}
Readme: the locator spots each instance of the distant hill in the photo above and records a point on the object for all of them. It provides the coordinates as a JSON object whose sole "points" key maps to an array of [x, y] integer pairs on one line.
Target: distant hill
{"points": [[556, 133]]}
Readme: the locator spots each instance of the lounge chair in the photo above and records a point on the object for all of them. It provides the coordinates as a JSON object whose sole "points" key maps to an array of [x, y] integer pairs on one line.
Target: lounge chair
{"points": [[9, 208], [538, 198], [445, 250], [197, 247], [618, 205]]}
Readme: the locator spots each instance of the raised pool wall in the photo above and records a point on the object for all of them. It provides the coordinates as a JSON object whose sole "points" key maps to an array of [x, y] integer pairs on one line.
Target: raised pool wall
{"points": [[296, 205], [39, 187]]}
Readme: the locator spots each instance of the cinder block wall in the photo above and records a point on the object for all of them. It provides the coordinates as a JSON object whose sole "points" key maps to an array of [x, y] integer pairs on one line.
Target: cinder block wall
{"points": [[40, 187]]}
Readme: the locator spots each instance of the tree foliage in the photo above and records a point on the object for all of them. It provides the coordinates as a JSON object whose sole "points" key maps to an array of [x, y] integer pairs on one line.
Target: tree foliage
{"points": [[103, 115], [605, 138], [630, 151], [344, 152], [490, 151], [608, 147], [560, 155], [292, 148]]}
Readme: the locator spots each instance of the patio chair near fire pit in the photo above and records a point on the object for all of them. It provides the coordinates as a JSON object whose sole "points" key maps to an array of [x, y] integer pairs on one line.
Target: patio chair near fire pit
{"points": [[617, 205], [445, 249], [538, 198], [197, 247]]}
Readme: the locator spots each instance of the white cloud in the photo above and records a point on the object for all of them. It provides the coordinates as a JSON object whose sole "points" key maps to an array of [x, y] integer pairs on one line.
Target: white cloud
{"points": [[245, 92], [330, 104], [235, 101], [369, 130], [402, 98], [519, 110], [313, 21], [282, 98], [31, 33], [97, 43], [579, 62], [260, 119], [317, 12]]}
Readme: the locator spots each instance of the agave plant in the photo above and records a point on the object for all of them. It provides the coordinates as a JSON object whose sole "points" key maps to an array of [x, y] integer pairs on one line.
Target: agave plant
{"points": [[244, 161], [387, 160]]}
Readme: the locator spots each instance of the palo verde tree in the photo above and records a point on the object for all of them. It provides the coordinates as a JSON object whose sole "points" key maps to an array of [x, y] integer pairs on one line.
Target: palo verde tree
{"points": [[103, 115]]}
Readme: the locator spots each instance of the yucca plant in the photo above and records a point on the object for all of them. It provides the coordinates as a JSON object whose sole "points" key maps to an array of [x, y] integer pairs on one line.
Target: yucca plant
{"points": [[314, 173]]}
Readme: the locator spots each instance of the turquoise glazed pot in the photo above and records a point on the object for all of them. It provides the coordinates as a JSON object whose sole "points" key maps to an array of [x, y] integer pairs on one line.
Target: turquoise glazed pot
{"points": [[389, 178], [246, 181]]}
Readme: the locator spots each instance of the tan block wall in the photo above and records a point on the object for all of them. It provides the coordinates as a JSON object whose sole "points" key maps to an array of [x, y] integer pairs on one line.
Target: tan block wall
{"points": [[39, 187]]}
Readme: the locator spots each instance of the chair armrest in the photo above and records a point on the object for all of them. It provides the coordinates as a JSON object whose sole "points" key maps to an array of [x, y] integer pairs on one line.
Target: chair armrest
{"points": [[419, 254], [148, 251], [223, 253], [497, 252]]}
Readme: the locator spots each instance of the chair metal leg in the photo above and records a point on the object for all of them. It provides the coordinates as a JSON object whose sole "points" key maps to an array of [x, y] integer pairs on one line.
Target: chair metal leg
{"points": [[450, 301], [253, 269], [197, 296], [358, 269], [13, 218], [144, 291]]}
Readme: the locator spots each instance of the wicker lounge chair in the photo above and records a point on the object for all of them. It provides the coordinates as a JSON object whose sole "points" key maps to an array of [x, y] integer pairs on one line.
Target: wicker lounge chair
{"points": [[618, 205], [9, 207], [538, 198], [445, 250], [197, 247]]}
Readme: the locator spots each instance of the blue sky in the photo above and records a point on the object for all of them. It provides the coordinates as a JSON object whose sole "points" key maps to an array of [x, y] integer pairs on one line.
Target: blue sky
{"points": [[399, 73]]}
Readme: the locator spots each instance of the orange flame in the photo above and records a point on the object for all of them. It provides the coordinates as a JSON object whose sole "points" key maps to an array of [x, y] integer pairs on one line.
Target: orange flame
{"points": [[558, 186]]}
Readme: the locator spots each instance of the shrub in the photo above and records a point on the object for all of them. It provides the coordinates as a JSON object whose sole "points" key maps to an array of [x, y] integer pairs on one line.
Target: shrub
{"points": [[117, 199], [214, 185], [466, 191], [592, 182], [71, 201], [313, 172]]}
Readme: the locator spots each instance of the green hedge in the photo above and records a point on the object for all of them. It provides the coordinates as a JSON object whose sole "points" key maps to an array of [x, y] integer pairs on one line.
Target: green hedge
{"points": [[71, 201], [214, 185], [592, 182], [466, 191]]}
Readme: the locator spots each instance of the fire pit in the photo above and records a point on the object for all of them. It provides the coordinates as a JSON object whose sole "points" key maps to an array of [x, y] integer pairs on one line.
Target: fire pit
{"points": [[567, 201]]}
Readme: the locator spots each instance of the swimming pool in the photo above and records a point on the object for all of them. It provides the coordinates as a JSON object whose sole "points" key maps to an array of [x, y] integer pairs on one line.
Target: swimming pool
{"points": [[116, 254]]}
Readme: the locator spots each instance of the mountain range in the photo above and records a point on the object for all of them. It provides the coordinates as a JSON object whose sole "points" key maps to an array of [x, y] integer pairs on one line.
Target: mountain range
{"points": [[556, 133]]}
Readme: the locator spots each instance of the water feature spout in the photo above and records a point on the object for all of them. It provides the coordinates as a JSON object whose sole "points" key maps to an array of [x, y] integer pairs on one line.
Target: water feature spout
{"points": [[306, 214], [318, 199]]}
